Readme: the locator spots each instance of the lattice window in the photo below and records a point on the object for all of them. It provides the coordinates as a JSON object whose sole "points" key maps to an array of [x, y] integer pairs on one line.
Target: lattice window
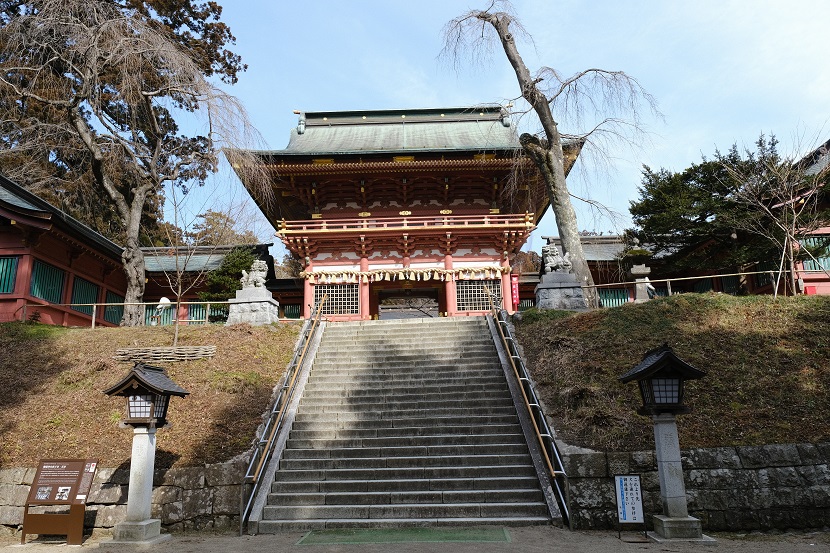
{"points": [[47, 282], [471, 295], [84, 292], [8, 272], [114, 313], [344, 299]]}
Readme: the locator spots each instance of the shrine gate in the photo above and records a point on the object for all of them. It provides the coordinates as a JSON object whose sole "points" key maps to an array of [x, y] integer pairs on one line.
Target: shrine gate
{"points": [[424, 202]]}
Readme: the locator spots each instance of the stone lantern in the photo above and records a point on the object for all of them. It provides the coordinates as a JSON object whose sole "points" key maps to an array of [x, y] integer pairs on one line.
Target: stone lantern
{"points": [[661, 376], [147, 391]]}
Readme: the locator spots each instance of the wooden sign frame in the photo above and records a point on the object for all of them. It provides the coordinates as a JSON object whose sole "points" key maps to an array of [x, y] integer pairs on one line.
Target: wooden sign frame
{"points": [[59, 482]]}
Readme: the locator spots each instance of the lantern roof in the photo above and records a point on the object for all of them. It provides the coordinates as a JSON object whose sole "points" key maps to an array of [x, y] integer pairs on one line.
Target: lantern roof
{"points": [[662, 359], [152, 378]]}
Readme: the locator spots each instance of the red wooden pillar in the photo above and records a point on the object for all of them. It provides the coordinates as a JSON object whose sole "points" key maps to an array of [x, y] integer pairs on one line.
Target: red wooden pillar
{"points": [[365, 308], [308, 294], [506, 287], [449, 287]]}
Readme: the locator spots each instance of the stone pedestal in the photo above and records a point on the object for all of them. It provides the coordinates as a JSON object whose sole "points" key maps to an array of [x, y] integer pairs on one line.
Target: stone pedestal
{"points": [[139, 530], [640, 274], [255, 306], [560, 290], [675, 522]]}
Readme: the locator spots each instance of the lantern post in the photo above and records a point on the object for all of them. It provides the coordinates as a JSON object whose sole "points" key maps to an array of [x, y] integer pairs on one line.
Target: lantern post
{"points": [[147, 391], [661, 376]]}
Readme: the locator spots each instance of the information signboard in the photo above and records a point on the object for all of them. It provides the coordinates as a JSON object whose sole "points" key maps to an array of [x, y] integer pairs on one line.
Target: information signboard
{"points": [[62, 481], [59, 482], [629, 499]]}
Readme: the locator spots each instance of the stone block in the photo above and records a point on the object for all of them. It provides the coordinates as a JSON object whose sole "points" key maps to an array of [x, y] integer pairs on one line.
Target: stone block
{"points": [[105, 516], [107, 493], [820, 496], [778, 477], [810, 454], [716, 520], [715, 457], [226, 500], [824, 451], [592, 493], [11, 515], [13, 494], [119, 476], [225, 474], [618, 463], [807, 475], [720, 479], [189, 478], [19, 475], [585, 465], [643, 461], [197, 502], [707, 500], [167, 494], [742, 520], [172, 513], [784, 455]]}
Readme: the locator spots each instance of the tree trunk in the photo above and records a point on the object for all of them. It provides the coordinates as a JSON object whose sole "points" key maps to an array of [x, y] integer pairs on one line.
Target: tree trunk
{"points": [[547, 155], [133, 260]]}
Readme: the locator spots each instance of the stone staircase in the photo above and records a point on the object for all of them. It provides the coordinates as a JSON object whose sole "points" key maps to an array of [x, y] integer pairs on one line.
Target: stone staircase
{"points": [[405, 423]]}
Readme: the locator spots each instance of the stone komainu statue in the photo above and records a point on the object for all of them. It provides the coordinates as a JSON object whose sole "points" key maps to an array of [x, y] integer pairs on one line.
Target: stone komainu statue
{"points": [[553, 262], [255, 278]]}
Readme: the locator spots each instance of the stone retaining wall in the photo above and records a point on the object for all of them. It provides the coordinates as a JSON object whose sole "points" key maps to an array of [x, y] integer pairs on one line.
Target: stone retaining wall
{"points": [[189, 498], [729, 488]]}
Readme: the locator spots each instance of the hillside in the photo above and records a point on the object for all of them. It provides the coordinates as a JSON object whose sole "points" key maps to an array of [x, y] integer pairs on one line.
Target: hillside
{"points": [[52, 405], [768, 365], [768, 381]]}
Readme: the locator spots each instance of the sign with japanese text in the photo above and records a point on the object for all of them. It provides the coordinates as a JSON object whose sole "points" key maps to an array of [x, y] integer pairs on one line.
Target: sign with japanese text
{"points": [[62, 481], [514, 289], [629, 498]]}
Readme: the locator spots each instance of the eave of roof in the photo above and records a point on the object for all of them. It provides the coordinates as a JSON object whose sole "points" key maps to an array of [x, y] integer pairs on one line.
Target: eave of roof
{"points": [[17, 199]]}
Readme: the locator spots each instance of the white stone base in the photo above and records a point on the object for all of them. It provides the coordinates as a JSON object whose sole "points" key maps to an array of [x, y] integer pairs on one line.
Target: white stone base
{"points": [[255, 306], [677, 529], [136, 535]]}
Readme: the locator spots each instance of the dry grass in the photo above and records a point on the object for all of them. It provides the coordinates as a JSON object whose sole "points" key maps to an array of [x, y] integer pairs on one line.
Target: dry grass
{"points": [[768, 365], [52, 403]]}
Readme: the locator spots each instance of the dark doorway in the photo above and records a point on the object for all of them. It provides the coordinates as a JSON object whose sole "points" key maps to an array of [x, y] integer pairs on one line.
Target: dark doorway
{"points": [[405, 301]]}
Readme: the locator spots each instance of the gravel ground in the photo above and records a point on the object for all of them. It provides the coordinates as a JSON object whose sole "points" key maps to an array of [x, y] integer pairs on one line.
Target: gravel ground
{"points": [[532, 539]]}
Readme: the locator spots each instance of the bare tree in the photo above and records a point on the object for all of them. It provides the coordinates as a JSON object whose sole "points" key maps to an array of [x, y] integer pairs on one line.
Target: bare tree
{"points": [[782, 197], [118, 89], [606, 104]]}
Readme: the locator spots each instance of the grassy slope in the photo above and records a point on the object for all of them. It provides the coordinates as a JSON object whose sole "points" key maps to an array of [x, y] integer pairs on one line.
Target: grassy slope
{"points": [[52, 405], [768, 365]]}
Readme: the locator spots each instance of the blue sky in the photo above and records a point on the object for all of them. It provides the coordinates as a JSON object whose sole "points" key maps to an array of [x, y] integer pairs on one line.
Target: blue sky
{"points": [[722, 72]]}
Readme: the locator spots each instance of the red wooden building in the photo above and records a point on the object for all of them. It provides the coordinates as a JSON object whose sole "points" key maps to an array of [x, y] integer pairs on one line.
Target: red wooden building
{"points": [[384, 204], [49, 261]]}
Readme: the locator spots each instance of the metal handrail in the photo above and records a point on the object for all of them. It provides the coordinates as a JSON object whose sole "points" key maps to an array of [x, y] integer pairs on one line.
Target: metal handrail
{"points": [[265, 445], [543, 431]]}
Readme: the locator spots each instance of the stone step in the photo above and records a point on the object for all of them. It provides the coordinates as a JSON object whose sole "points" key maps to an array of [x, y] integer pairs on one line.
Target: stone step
{"points": [[487, 373], [472, 382], [425, 390], [302, 525], [404, 451], [406, 441], [307, 422], [394, 404], [410, 497], [406, 510], [408, 473], [412, 485], [415, 396], [446, 461], [403, 414], [316, 432]]}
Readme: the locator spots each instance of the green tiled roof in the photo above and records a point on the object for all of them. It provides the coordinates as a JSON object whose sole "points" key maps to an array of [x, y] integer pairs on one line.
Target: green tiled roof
{"points": [[453, 129]]}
